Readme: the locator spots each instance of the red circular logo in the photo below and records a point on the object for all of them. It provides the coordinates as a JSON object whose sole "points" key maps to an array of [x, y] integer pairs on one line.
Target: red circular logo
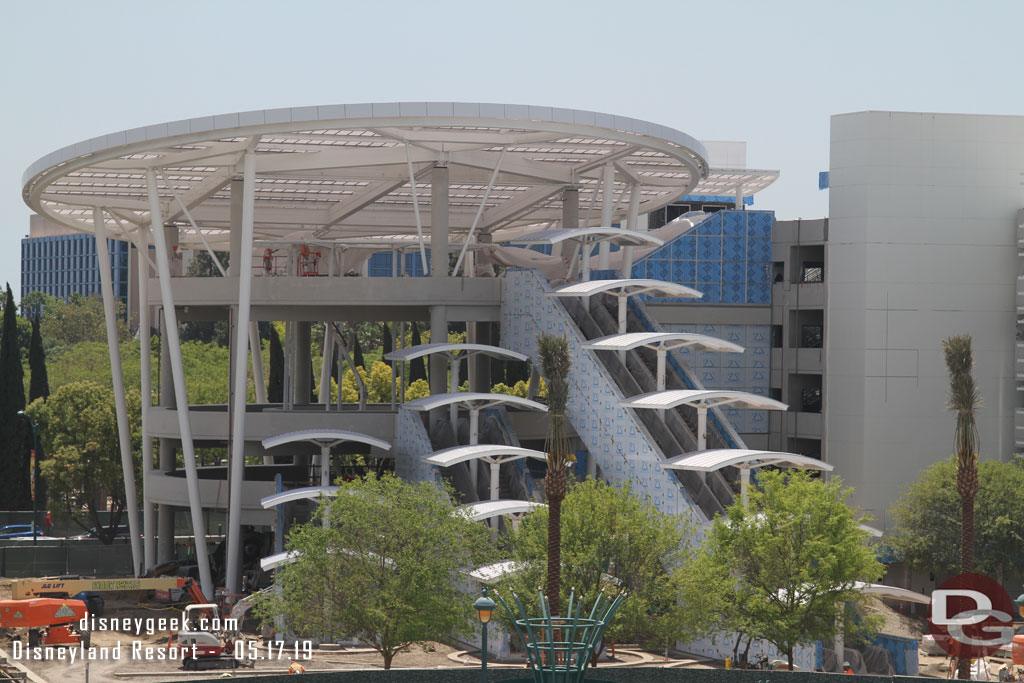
{"points": [[971, 616]]}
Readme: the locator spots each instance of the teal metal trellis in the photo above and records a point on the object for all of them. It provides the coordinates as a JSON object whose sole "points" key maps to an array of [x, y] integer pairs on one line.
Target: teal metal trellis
{"points": [[559, 648]]}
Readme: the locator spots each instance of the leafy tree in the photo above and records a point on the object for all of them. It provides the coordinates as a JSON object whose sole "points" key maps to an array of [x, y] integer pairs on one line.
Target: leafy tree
{"points": [[928, 520], [275, 380], [794, 552], [78, 426], [13, 428], [384, 569], [611, 530], [80, 318], [39, 386], [555, 363]]}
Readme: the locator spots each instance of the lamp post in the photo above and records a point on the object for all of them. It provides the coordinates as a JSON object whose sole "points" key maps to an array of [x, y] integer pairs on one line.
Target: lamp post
{"points": [[484, 606], [33, 474]]}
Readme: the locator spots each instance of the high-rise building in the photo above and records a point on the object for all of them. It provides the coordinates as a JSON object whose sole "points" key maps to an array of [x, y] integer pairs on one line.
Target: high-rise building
{"points": [[59, 261]]}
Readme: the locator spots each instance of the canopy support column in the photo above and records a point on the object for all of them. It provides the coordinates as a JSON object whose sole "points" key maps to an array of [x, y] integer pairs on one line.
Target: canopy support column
{"points": [[632, 223], [744, 483], [146, 386], [702, 427], [240, 376], [495, 472], [607, 208], [121, 407], [474, 438], [453, 387], [662, 357], [180, 396]]}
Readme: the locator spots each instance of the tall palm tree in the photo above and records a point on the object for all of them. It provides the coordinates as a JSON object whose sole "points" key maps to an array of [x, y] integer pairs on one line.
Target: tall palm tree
{"points": [[555, 362], [963, 400]]}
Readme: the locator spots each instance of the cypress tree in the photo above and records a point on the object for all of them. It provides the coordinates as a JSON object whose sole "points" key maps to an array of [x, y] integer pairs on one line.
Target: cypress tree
{"points": [[39, 384], [275, 383], [386, 342], [13, 428], [357, 352], [418, 369]]}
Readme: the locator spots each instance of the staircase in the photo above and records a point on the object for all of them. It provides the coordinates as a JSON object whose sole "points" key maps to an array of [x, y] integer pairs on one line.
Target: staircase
{"points": [[625, 444]]}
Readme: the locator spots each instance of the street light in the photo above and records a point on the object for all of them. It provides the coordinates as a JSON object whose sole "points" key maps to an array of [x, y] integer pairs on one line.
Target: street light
{"points": [[484, 606], [33, 471]]}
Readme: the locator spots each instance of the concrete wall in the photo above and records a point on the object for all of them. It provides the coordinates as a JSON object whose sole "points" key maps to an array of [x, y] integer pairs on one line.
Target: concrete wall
{"points": [[922, 246]]}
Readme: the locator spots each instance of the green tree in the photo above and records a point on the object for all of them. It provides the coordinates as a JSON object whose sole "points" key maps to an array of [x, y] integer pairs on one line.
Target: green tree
{"points": [[928, 520], [795, 552], [78, 426], [275, 378], [13, 428], [609, 530], [80, 318], [39, 385], [555, 363], [384, 569]]}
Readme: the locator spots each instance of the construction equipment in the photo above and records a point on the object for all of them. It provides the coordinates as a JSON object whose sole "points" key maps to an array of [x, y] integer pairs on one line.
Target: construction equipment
{"points": [[67, 586], [51, 621], [200, 646]]}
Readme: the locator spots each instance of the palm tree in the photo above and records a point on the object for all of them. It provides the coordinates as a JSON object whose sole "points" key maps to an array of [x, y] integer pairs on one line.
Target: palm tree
{"points": [[963, 400], [555, 362]]}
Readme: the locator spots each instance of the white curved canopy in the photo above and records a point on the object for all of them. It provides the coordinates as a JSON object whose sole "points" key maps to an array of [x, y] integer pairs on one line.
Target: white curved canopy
{"points": [[413, 352], [629, 287], [492, 573], [457, 454], [893, 592], [626, 238], [343, 170], [716, 459], [874, 532], [276, 560], [666, 400], [307, 492], [472, 400], [496, 508], [325, 437], [665, 340]]}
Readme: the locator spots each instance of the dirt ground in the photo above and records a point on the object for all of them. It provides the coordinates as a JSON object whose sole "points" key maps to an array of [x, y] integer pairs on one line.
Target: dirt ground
{"points": [[125, 654]]}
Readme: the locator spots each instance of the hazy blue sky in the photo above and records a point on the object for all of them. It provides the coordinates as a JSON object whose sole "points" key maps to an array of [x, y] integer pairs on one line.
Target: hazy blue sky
{"points": [[767, 72]]}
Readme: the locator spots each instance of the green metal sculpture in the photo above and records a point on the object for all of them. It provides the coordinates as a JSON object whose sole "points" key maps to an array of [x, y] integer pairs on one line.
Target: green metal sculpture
{"points": [[559, 648]]}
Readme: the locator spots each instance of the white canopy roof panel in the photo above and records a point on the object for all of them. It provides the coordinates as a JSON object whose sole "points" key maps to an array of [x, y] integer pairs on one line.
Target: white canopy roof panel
{"points": [[457, 454], [472, 399], [883, 591], [325, 437], [307, 492], [667, 340], [625, 238], [343, 170], [413, 352], [716, 459], [273, 561], [496, 508], [629, 287], [493, 573], [666, 400]]}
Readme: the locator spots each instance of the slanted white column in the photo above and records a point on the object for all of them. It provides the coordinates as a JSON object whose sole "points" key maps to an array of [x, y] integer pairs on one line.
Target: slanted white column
{"points": [[146, 386], [178, 375], [240, 357], [256, 350], [607, 207], [121, 408], [632, 223]]}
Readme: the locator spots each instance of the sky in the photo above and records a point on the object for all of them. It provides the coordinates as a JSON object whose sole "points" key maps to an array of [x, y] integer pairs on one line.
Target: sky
{"points": [[768, 73]]}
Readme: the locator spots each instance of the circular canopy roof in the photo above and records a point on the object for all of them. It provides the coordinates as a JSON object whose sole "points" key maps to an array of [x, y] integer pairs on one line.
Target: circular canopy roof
{"points": [[664, 340], [666, 400], [454, 350], [628, 287], [716, 459], [495, 452], [344, 170], [472, 400]]}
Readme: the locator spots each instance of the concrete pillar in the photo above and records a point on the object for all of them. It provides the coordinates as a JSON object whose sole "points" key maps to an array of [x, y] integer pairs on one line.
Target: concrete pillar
{"points": [[570, 219], [607, 209], [303, 339], [439, 221], [165, 513], [438, 361], [236, 227]]}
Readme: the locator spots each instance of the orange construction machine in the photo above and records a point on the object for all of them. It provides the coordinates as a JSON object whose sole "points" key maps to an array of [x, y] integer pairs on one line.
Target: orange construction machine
{"points": [[51, 621]]}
